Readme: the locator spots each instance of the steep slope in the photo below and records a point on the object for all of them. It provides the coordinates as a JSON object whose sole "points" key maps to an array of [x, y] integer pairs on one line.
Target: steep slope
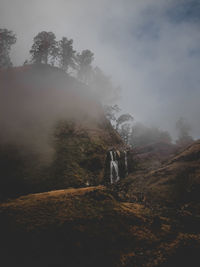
{"points": [[53, 131], [153, 155], [175, 183], [88, 227]]}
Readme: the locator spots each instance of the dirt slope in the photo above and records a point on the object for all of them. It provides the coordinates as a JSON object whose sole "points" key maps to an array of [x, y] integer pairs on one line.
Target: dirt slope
{"points": [[88, 227], [176, 182]]}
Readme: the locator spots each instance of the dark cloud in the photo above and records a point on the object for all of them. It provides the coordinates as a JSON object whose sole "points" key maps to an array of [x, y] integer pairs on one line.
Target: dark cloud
{"points": [[184, 10]]}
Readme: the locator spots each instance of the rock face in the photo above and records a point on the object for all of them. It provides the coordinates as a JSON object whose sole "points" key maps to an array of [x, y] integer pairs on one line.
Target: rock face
{"points": [[54, 132]]}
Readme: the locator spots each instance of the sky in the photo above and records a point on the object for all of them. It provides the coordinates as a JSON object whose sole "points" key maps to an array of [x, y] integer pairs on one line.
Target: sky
{"points": [[150, 48]]}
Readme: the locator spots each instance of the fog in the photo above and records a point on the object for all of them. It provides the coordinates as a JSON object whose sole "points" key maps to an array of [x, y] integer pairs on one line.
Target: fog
{"points": [[34, 100], [150, 48]]}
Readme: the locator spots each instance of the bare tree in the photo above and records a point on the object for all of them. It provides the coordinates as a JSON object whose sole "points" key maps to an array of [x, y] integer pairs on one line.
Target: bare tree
{"points": [[122, 119], [111, 113]]}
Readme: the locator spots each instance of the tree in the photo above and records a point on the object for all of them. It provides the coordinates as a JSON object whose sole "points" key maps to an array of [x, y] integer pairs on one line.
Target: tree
{"points": [[122, 119], [122, 124], [7, 39], [84, 61], [125, 132], [110, 112], [66, 53], [44, 48]]}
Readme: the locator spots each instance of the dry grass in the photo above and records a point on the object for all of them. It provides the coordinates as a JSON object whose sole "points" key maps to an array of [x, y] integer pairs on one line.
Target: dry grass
{"points": [[85, 227]]}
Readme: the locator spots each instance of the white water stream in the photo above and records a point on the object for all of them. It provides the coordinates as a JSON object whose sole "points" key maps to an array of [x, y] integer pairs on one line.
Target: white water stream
{"points": [[114, 169]]}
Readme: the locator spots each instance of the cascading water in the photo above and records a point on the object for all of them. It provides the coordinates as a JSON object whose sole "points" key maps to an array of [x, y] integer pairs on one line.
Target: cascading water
{"points": [[114, 169], [116, 166]]}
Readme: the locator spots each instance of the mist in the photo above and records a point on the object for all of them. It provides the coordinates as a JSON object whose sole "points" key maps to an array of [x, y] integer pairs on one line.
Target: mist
{"points": [[34, 99], [150, 48]]}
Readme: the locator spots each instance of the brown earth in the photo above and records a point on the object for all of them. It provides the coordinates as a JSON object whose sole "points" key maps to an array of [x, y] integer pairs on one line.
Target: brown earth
{"points": [[176, 182], [89, 227], [152, 156]]}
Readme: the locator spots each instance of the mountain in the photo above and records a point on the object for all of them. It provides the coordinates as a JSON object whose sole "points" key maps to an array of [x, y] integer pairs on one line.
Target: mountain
{"points": [[53, 131], [56, 147]]}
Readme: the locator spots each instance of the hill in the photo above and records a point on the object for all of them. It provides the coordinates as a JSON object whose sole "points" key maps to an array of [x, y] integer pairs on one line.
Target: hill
{"points": [[176, 182], [54, 133], [54, 137], [153, 155], [89, 227]]}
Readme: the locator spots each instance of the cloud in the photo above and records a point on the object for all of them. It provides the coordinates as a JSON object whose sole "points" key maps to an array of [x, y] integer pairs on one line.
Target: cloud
{"points": [[151, 48]]}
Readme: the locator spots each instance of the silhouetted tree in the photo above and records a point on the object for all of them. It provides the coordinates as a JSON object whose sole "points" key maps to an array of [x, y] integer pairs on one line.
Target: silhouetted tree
{"points": [[66, 54], [84, 61], [7, 39], [44, 48]]}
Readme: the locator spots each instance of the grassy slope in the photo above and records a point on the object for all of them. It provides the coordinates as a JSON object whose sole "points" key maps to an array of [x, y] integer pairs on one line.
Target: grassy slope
{"points": [[176, 182], [86, 227]]}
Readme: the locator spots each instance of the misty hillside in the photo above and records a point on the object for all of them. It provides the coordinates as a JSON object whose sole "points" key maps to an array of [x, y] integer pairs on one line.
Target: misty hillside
{"points": [[53, 131], [99, 133], [55, 142], [152, 156], [176, 182]]}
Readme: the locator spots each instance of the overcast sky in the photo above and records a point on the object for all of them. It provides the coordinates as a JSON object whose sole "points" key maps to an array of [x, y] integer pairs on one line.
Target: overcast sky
{"points": [[151, 48]]}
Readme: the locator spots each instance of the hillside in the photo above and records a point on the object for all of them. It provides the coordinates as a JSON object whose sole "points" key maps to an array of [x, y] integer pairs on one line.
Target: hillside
{"points": [[153, 155], [176, 182], [54, 133], [56, 148], [89, 227]]}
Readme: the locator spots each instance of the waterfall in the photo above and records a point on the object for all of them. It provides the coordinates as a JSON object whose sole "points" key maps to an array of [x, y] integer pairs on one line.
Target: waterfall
{"points": [[114, 169], [117, 167]]}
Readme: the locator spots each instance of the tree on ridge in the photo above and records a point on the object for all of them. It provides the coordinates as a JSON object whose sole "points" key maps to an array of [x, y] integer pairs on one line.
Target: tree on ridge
{"points": [[44, 48], [7, 39], [66, 54], [84, 61]]}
